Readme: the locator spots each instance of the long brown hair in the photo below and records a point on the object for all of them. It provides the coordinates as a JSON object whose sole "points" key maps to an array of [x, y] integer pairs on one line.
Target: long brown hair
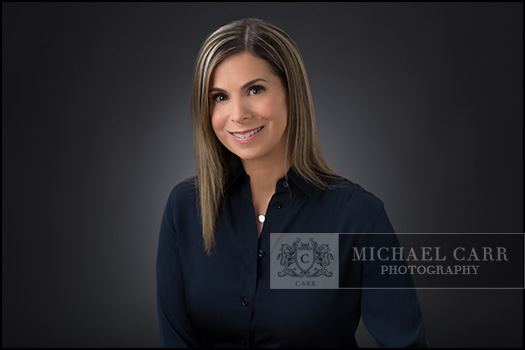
{"points": [[215, 164]]}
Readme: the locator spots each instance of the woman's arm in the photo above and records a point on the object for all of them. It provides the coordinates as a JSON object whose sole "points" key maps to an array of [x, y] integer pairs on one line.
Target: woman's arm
{"points": [[392, 316], [176, 329]]}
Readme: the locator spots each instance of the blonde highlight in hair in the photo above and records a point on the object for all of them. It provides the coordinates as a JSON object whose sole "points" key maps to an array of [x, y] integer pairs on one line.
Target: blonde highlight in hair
{"points": [[215, 164]]}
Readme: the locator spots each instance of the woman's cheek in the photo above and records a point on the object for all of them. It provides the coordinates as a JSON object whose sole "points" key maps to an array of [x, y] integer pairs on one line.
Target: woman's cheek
{"points": [[267, 109], [217, 123], [273, 108]]}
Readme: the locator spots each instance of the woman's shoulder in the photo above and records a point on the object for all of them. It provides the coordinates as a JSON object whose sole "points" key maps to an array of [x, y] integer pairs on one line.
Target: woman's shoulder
{"points": [[350, 193], [184, 191]]}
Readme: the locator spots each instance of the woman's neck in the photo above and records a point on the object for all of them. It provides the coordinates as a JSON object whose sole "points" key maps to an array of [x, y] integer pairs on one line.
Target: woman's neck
{"points": [[264, 176], [263, 179]]}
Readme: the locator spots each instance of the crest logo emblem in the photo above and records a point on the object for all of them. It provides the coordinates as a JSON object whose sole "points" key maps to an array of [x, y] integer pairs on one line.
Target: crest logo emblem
{"points": [[305, 259]]}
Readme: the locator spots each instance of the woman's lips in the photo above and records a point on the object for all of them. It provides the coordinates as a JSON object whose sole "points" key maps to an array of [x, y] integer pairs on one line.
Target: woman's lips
{"points": [[246, 136]]}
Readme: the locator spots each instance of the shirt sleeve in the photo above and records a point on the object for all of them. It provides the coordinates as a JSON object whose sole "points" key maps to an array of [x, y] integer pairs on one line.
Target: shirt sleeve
{"points": [[392, 316], [176, 329]]}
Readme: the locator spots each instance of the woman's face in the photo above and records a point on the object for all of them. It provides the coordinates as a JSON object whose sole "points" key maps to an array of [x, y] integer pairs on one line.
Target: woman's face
{"points": [[248, 108]]}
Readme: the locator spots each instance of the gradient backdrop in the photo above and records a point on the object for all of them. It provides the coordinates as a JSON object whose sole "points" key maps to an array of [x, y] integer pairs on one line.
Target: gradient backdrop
{"points": [[420, 103]]}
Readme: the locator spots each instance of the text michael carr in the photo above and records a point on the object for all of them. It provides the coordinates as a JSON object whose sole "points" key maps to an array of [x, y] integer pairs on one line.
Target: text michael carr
{"points": [[460, 255]]}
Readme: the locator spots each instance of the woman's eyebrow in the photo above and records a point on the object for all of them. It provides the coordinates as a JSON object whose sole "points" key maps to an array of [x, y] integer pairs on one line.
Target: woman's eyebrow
{"points": [[216, 89]]}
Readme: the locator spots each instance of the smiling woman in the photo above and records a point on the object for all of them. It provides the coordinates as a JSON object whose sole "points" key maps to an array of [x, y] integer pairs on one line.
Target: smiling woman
{"points": [[250, 121], [241, 53], [260, 170]]}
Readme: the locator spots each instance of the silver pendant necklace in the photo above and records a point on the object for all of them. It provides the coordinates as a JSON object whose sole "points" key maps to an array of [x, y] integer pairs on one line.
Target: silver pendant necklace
{"points": [[261, 218]]}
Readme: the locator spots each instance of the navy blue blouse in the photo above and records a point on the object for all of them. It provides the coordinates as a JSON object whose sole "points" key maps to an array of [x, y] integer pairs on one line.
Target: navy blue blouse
{"points": [[225, 299]]}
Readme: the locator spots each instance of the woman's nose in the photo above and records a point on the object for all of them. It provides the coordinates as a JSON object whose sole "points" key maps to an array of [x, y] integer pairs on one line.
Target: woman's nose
{"points": [[239, 111]]}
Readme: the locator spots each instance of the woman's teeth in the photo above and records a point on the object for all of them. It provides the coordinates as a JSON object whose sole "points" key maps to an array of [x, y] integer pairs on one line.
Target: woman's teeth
{"points": [[248, 134]]}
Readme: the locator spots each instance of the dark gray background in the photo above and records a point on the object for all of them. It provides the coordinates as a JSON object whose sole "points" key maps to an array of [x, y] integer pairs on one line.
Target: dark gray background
{"points": [[419, 103]]}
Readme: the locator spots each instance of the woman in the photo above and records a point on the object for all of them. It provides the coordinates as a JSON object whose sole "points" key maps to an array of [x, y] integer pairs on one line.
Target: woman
{"points": [[260, 170]]}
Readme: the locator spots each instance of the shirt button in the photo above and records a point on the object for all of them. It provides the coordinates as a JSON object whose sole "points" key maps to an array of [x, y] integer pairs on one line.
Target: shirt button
{"points": [[285, 184], [244, 301], [277, 205], [260, 254]]}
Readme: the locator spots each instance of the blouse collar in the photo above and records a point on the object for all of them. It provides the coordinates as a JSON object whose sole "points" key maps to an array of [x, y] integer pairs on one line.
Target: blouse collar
{"points": [[283, 184]]}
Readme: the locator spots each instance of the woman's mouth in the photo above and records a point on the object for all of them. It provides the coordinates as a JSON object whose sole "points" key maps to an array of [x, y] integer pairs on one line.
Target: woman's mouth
{"points": [[246, 136]]}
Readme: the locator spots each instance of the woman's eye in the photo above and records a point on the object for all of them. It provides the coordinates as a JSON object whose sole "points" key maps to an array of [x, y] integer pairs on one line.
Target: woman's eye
{"points": [[254, 90], [219, 97]]}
